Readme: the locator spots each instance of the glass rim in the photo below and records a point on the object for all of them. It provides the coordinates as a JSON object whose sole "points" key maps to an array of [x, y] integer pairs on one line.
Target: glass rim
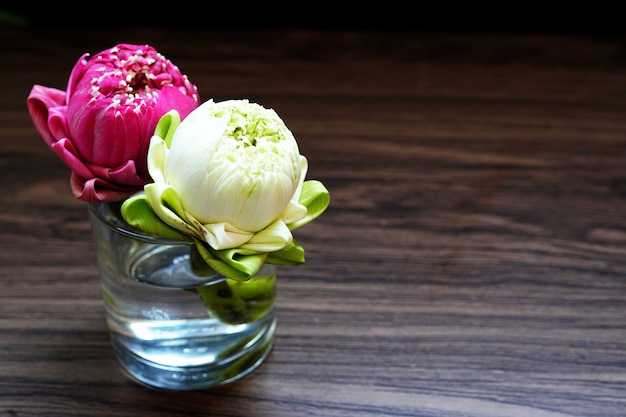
{"points": [[109, 215]]}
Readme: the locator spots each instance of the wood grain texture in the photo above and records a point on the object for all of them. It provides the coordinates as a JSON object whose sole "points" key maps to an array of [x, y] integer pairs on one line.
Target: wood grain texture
{"points": [[472, 261]]}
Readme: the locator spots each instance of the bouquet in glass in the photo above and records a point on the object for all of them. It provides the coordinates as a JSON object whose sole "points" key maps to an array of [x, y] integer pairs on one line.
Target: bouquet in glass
{"points": [[192, 207]]}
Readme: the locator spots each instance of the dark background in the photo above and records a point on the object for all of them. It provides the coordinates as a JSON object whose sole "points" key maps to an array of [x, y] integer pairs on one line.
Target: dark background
{"points": [[385, 15]]}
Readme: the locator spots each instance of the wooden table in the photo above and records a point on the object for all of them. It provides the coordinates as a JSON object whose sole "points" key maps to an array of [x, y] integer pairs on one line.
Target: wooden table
{"points": [[472, 261]]}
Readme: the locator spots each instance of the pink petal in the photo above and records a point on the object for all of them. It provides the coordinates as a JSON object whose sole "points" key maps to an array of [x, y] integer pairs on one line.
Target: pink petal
{"points": [[172, 98], [97, 190], [124, 176], [40, 103], [65, 149]]}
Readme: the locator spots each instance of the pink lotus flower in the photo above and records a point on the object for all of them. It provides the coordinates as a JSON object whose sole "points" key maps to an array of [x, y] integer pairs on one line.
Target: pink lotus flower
{"points": [[101, 126]]}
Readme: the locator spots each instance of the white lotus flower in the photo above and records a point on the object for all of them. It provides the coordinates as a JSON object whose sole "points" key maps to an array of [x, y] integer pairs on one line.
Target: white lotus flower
{"points": [[231, 174]]}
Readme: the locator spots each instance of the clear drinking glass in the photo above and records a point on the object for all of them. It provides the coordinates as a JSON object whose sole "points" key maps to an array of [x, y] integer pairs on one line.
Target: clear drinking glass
{"points": [[171, 326]]}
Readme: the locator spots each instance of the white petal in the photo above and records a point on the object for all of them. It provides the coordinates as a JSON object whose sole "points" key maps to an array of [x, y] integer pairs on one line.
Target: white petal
{"points": [[157, 155], [223, 235], [273, 238]]}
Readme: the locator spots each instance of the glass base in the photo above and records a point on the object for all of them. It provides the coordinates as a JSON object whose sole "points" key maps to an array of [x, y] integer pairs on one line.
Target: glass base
{"points": [[182, 377]]}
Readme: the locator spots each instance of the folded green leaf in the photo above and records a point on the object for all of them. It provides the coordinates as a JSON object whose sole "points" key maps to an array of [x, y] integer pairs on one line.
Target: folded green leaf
{"points": [[167, 125], [258, 288], [138, 213], [292, 254], [236, 264], [316, 198], [239, 301]]}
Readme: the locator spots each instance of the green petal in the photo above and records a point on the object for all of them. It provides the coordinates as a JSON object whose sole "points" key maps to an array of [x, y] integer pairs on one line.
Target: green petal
{"points": [[220, 301], [137, 212], [292, 254], [198, 264], [258, 287], [316, 198], [237, 264], [168, 207], [246, 261], [167, 125], [239, 301]]}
